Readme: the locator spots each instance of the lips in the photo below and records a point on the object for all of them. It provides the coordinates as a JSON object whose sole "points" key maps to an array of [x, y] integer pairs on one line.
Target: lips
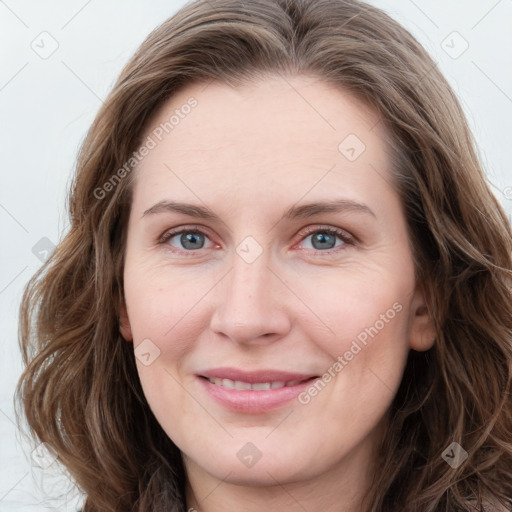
{"points": [[253, 391], [232, 378]]}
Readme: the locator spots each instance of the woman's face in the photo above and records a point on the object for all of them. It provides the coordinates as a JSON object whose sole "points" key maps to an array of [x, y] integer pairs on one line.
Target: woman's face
{"points": [[300, 314]]}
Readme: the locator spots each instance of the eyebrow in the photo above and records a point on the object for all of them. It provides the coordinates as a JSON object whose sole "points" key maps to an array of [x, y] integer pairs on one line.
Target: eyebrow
{"points": [[294, 212]]}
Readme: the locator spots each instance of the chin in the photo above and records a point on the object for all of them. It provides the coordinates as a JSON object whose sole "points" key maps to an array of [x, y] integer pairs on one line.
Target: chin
{"points": [[229, 465]]}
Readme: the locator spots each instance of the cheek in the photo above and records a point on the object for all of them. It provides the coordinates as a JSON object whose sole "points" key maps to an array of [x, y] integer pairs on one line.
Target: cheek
{"points": [[363, 305], [367, 353], [339, 305], [160, 302], [164, 311], [367, 315]]}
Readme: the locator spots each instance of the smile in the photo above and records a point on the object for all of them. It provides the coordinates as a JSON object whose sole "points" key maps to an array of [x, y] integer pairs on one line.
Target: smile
{"points": [[253, 392], [256, 386]]}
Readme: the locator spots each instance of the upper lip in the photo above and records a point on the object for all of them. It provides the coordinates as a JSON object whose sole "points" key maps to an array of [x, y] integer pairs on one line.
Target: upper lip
{"points": [[255, 376]]}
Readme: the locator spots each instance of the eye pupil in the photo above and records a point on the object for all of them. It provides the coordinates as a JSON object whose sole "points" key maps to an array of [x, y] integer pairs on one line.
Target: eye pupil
{"points": [[323, 237], [188, 240]]}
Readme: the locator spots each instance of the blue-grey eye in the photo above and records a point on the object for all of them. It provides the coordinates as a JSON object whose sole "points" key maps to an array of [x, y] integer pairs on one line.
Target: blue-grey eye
{"points": [[190, 240], [323, 240]]}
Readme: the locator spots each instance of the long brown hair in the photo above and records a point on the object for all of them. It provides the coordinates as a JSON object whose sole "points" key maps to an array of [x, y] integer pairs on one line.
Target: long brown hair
{"points": [[80, 390]]}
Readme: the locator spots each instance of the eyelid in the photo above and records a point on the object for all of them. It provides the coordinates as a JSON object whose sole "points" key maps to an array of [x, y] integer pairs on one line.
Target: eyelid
{"points": [[170, 233], [345, 236], [342, 233]]}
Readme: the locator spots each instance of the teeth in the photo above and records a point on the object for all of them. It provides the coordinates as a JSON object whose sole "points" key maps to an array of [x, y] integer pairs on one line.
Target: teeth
{"points": [[228, 383], [261, 385], [240, 385]]}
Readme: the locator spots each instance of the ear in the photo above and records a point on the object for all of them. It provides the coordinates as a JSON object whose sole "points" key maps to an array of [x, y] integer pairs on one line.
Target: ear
{"points": [[124, 324], [422, 329]]}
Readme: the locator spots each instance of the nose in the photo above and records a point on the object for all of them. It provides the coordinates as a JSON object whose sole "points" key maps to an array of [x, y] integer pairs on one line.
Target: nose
{"points": [[252, 303]]}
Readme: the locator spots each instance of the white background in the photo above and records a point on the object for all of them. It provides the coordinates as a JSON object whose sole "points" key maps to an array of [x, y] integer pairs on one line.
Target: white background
{"points": [[48, 104]]}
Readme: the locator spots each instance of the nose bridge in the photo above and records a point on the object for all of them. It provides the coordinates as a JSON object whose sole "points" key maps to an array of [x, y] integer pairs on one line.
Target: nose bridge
{"points": [[249, 282], [246, 309]]}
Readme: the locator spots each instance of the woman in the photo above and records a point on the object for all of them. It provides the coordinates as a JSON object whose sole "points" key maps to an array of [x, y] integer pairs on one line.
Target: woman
{"points": [[340, 338]]}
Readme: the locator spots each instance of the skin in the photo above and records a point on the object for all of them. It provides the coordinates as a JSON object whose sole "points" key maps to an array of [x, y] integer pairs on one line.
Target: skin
{"points": [[249, 153]]}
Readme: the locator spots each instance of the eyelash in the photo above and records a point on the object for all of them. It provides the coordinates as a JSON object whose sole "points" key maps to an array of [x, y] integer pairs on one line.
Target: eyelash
{"points": [[343, 235]]}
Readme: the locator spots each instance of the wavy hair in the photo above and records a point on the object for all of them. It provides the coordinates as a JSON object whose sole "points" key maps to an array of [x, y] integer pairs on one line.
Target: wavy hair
{"points": [[80, 390]]}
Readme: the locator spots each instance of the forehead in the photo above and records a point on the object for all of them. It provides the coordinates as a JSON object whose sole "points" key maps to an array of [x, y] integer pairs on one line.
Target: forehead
{"points": [[285, 135]]}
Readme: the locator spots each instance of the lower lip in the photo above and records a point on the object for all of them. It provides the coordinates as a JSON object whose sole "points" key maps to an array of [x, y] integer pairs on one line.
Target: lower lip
{"points": [[253, 401]]}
